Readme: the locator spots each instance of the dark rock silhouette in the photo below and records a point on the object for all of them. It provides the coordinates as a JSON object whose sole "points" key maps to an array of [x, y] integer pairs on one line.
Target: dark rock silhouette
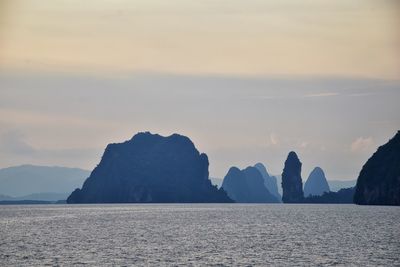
{"points": [[379, 179], [234, 182], [247, 186], [270, 182], [292, 184], [316, 183], [153, 169], [342, 196]]}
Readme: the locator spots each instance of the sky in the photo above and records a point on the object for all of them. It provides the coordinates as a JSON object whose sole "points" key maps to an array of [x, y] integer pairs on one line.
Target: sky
{"points": [[247, 81]]}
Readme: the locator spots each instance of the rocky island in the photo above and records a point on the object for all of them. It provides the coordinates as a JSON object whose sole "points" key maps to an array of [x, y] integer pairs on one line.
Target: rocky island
{"points": [[316, 183], [247, 186], [150, 168], [379, 179]]}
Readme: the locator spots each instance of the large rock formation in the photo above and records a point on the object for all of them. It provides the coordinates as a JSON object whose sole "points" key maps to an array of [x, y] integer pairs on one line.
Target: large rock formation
{"points": [[316, 183], [270, 182], [379, 179], [153, 169], [247, 186], [292, 184]]}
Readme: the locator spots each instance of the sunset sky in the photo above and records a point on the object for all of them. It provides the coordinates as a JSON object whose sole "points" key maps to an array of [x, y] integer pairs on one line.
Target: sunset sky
{"points": [[247, 81]]}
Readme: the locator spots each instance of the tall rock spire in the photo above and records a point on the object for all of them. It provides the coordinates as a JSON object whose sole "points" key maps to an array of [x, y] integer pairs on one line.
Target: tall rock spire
{"points": [[292, 184]]}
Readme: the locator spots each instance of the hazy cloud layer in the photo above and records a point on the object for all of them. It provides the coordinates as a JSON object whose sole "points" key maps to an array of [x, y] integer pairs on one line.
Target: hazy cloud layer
{"points": [[362, 144], [69, 119]]}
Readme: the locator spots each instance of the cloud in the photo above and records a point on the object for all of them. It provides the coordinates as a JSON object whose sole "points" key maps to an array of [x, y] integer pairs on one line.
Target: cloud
{"points": [[321, 94], [135, 35], [362, 144], [304, 144], [362, 94], [12, 142], [273, 140], [10, 115], [16, 150]]}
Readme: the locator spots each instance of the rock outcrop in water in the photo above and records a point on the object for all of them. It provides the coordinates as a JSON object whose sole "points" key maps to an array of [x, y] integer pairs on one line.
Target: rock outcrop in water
{"points": [[270, 182], [316, 183], [150, 168], [343, 196], [292, 184], [379, 179], [247, 186]]}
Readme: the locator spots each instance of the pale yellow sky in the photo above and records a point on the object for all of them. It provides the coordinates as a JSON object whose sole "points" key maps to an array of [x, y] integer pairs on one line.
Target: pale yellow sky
{"points": [[311, 38]]}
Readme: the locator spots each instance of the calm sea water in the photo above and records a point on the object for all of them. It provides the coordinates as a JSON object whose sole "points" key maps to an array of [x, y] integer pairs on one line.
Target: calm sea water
{"points": [[213, 234]]}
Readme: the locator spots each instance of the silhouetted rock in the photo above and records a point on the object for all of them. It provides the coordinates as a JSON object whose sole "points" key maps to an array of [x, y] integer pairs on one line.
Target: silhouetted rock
{"points": [[379, 179], [316, 183], [292, 184], [342, 196], [150, 168], [270, 182], [247, 186], [234, 182]]}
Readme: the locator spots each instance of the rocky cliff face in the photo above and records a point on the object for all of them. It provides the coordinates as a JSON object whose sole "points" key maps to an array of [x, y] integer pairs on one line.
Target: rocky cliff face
{"points": [[292, 184], [379, 179], [153, 169], [270, 182], [316, 183], [247, 186]]}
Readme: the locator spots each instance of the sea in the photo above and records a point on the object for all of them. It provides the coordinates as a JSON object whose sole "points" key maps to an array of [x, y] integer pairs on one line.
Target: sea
{"points": [[199, 235]]}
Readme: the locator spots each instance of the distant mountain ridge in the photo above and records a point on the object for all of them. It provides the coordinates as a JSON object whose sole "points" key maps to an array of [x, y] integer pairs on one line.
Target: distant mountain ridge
{"points": [[37, 197], [25, 180], [336, 185]]}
